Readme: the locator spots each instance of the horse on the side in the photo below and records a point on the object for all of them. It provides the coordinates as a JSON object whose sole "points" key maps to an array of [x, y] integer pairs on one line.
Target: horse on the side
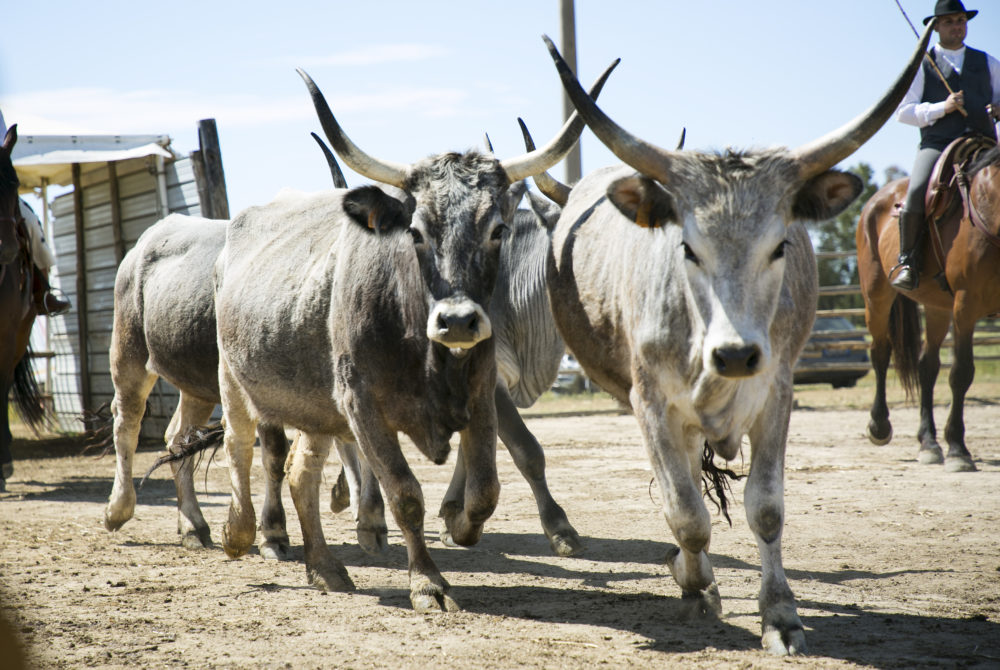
{"points": [[17, 310], [959, 284]]}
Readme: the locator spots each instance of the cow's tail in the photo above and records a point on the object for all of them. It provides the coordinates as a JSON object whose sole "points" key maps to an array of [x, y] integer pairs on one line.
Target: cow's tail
{"points": [[98, 427], [716, 479], [196, 440], [904, 338], [28, 400]]}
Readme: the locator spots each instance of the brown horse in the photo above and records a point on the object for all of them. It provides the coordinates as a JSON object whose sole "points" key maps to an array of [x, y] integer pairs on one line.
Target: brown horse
{"points": [[17, 310], [970, 250]]}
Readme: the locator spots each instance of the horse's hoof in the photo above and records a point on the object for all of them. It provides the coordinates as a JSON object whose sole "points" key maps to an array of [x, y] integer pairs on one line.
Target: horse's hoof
{"points": [[930, 456], [959, 464], [6, 470], [876, 440]]}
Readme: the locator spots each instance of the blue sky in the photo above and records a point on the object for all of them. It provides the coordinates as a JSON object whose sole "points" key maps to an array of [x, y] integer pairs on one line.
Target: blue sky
{"points": [[411, 79]]}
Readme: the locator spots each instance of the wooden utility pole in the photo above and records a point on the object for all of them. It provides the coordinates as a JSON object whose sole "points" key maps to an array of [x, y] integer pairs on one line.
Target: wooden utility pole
{"points": [[567, 15], [212, 181]]}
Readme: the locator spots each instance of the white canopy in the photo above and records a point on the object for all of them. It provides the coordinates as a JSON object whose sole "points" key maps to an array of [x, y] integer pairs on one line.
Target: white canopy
{"points": [[50, 157]]}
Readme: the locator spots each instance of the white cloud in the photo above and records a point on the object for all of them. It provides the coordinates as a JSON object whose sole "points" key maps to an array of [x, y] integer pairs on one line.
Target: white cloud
{"points": [[108, 111]]}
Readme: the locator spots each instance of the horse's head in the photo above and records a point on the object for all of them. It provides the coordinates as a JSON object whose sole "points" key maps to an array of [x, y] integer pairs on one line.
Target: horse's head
{"points": [[10, 210]]}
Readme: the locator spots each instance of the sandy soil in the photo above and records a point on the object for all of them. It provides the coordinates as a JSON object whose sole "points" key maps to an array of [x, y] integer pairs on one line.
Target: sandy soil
{"points": [[894, 564]]}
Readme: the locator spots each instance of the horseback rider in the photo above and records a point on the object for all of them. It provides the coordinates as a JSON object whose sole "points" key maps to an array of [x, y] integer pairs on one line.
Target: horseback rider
{"points": [[46, 302], [973, 106]]}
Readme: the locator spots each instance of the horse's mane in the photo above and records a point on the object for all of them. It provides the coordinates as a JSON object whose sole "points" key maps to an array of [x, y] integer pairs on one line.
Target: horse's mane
{"points": [[985, 159]]}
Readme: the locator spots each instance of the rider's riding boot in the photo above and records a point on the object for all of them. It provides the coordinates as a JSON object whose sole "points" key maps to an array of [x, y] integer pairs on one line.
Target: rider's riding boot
{"points": [[907, 271], [47, 302]]}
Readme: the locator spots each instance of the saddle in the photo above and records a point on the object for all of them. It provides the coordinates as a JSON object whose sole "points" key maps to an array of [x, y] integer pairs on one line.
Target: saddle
{"points": [[945, 197]]}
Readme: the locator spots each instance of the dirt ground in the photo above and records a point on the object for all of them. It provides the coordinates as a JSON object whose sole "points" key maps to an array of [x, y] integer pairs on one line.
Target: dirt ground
{"points": [[894, 564]]}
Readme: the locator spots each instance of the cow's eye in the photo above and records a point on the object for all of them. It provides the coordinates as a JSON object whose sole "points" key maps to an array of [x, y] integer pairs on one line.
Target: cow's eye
{"points": [[779, 252], [498, 232], [689, 255], [418, 238]]}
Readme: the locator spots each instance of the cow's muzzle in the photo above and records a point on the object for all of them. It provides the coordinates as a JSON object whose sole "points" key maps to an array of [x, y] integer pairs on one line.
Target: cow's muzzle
{"points": [[458, 323], [737, 361]]}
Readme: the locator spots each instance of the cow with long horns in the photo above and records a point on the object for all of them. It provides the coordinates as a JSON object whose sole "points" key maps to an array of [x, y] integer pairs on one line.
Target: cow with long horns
{"points": [[351, 316], [685, 283]]}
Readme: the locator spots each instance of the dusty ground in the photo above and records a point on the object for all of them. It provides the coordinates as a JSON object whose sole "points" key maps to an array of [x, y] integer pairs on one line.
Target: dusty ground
{"points": [[894, 564]]}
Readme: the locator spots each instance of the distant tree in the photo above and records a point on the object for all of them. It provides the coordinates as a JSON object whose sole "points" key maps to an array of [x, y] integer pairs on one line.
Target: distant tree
{"points": [[837, 235]]}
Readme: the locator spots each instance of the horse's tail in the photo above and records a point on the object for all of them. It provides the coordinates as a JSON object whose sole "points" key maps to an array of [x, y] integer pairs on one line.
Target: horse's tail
{"points": [[28, 400], [904, 337]]}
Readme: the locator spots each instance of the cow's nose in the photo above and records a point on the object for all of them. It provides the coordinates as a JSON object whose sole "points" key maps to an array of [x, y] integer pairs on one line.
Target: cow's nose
{"points": [[459, 324], [737, 361]]}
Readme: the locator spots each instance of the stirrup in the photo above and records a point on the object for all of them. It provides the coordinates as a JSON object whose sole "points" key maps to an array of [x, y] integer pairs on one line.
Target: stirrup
{"points": [[53, 304], [909, 286]]}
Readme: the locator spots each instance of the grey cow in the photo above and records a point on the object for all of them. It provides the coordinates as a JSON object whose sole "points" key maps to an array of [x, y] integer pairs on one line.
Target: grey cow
{"points": [[164, 326], [686, 287], [347, 316]]}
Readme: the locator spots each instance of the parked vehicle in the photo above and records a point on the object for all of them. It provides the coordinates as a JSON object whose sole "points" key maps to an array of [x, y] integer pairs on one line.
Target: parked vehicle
{"points": [[833, 355]]}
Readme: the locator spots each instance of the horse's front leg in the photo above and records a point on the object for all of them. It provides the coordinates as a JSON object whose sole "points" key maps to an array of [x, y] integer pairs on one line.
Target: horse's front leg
{"points": [[928, 367], [963, 370]]}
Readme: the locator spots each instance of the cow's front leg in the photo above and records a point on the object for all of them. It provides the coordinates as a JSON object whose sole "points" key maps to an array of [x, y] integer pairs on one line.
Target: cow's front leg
{"points": [[363, 496], [782, 631], [273, 453], [323, 570], [464, 521], [191, 524], [132, 386], [685, 511]]}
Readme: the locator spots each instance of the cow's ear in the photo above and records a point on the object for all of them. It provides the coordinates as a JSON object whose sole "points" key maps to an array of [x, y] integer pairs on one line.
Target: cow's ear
{"points": [[826, 195], [642, 201], [511, 199], [374, 210]]}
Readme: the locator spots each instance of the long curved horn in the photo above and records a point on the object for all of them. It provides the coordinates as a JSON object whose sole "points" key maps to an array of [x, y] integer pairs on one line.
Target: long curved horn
{"points": [[542, 159], [335, 171], [377, 170], [554, 190], [820, 155], [647, 158]]}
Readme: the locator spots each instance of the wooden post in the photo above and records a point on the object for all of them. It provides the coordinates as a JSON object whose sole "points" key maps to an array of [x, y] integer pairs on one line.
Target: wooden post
{"points": [[81, 290], [116, 212], [215, 178], [567, 15]]}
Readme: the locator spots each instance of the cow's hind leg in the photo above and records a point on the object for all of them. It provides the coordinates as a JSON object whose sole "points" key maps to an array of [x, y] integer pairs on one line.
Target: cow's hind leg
{"points": [[132, 386], [323, 570], [240, 530], [929, 365], [530, 460], [963, 370], [191, 525], [765, 508], [273, 453], [357, 483]]}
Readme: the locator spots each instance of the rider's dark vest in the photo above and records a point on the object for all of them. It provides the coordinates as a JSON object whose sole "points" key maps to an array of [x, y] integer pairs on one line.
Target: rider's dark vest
{"points": [[975, 83]]}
